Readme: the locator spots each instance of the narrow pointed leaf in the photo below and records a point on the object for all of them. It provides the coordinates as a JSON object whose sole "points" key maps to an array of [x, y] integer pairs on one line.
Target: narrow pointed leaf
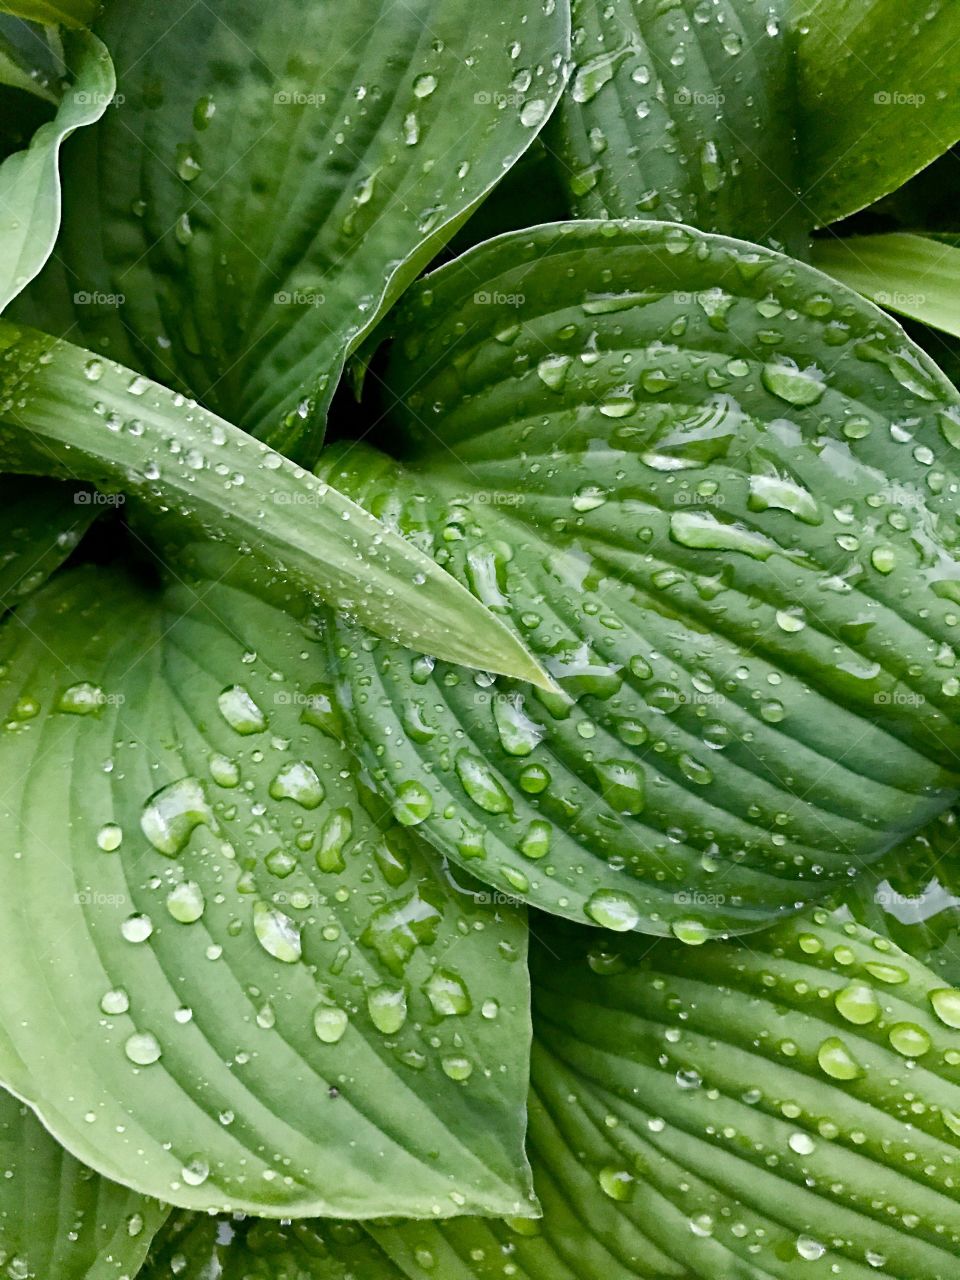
{"points": [[680, 465], [59, 1221], [683, 112], [916, 276], [30, 202], [69, 413], [879, 98], [230, 981], [278, 174]]}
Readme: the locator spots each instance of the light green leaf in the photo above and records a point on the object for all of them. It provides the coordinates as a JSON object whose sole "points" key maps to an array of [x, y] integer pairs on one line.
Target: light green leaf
{"points": [[69, 13], [41, 524], [914, 275], [58, 1221], [67, 412], [715, 492], [879, 97], [264, 209], [278, 1003], [683, 112], [29, 180]]}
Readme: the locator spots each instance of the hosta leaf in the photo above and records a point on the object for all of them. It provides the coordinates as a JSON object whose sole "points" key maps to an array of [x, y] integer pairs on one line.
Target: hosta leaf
{"points": [[879, 97], [916, 276], [59, 1221], [715, 492], [229, 979], [264, 208], [69, 413], [29, 179], [683, 112], [784, 1109], [30, 59], [41, 523]]}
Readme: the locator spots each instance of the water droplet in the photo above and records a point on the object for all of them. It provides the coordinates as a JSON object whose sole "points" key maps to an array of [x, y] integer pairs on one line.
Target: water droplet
{"points": [[196, 1171], [857, 1003], [143, 1048], [447, 994], [796, 386], [240, 711], [622, 784], [83, 699], [173, 813], [457, 1067], [330, 1023], [616, 1183], [109, 837], [277, 933], [535, 841], [334, 837], [137, 928], [801, 1143], [518, 733], [552, 371], [909, 1039], [424, 86], [613, 910], [298, 781], [387, 1007], [412, 803], [115, 1002], [481, 783], [946, 1005], [837, 1061], [186, 903]]}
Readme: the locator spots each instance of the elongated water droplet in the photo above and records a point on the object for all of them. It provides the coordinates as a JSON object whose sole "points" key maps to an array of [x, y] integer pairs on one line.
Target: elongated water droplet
{"points": [[613, 910], [173, 813], [240, 711], [298, 781], [277, 933], [387, 1007], [185, 902], [447, 994], [481, 783]]}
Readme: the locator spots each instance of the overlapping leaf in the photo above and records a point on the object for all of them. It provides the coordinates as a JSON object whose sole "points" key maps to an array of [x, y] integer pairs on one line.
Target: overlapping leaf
{"points": [[59, 1221], [683, 112], [276, 175], [230, 980], [66, 412], [715, 494], [30, 181]]}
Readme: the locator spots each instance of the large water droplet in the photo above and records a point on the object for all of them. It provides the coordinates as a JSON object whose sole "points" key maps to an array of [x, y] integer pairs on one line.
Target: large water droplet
{"points": [[277, 933], [173, 813]]}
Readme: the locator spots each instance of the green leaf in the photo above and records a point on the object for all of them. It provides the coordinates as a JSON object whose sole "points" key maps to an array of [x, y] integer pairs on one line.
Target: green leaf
{"points": [[714, 491], [683, 112], [29, 180], [247, 281], [781, 1109], [41, 524], [30, 60], [57, 1219], [67, 412], [916, 276], [69, 13], [879, 98], [279, 1003]]}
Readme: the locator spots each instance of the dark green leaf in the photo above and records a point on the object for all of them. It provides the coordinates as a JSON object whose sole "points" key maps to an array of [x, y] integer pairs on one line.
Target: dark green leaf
{"points": [[41, 523], [716, 494], [879, 97], [59, 1221], [229, 979], [683, 112], [71, 13], [277, 174]]}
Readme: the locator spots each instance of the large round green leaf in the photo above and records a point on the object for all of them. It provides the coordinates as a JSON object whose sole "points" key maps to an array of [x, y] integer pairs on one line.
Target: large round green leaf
{"points": [[276, 174], [715, 492], [229, 979], [683, 112], [60, 1221]]}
